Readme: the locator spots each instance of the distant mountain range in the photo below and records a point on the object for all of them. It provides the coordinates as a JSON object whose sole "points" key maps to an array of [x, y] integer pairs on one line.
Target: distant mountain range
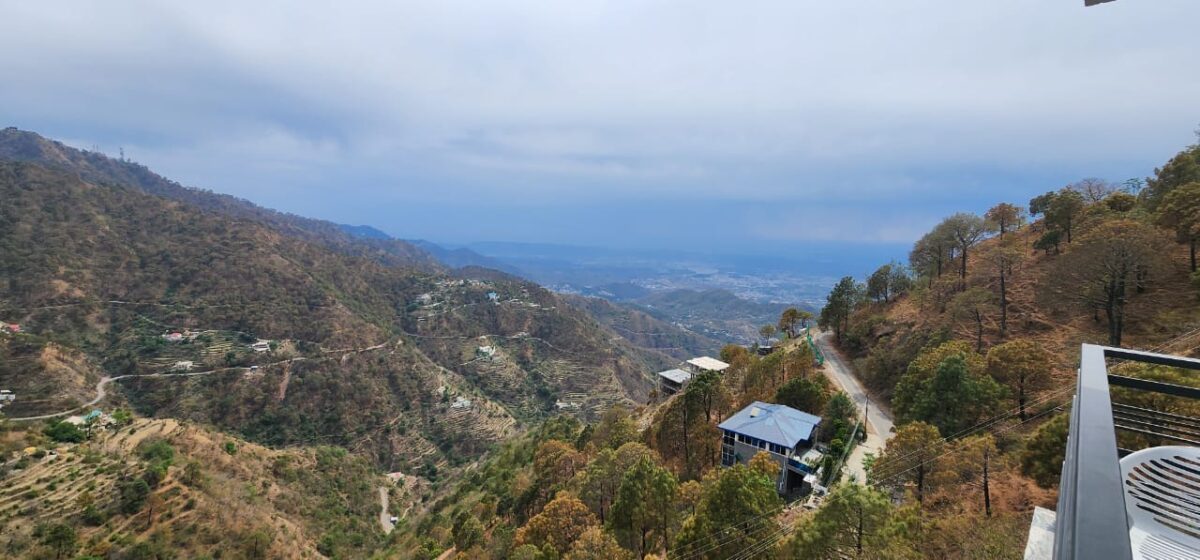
{"points": [[458, 257]]}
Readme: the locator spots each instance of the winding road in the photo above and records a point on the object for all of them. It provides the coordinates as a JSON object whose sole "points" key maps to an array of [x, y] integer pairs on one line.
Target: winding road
{"points": [[880, 426], [100, 392]]}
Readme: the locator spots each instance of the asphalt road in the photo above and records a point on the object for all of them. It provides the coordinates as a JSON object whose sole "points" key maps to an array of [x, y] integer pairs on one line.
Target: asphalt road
{"points": [[877, 417], [879, 421]]}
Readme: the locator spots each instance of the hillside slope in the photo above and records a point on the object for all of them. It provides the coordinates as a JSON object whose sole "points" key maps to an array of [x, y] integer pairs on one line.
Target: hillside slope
{"points": [[366, 352], [645, 330], [212, 496], [885, 337], [23, 146]]}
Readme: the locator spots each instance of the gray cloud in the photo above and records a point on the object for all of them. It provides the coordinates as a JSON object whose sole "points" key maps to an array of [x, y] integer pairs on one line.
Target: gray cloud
{"points": [[888, 112]]}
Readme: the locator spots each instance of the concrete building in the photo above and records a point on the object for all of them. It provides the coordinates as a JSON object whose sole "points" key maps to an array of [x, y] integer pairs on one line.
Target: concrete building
{"points": [[672, 381], [705, 363], [786, 434]]}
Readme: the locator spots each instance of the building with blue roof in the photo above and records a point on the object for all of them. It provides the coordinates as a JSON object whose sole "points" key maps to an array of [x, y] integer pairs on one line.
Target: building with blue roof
{"points": [[785, 433]]}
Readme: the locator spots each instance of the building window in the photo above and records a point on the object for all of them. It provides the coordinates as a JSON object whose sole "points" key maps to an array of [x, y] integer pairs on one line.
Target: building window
{"points": [[727, 458], [728, 438]]}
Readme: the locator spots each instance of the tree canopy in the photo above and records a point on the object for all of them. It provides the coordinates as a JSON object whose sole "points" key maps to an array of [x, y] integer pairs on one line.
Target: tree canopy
{"points": [[855, 522], [952, 399], [1005, 217]]}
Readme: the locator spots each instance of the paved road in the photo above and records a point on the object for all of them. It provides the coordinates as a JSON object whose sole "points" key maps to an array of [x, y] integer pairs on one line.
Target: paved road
{"points": [[385, 517], [879, 419]]}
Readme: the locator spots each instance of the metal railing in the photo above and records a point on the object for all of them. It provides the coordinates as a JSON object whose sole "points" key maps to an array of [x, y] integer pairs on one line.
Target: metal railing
{"points": [[1091, 520]]}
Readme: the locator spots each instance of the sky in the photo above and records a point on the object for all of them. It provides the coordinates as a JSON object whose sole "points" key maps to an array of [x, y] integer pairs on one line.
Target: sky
{"points": [[691, 125]]}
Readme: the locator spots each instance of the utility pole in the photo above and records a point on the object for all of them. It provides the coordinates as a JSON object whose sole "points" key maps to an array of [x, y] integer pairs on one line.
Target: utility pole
{"points": [[987, 495]]}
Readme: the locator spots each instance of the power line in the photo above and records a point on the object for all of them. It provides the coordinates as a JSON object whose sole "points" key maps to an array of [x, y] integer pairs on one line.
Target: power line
{"points": [[989, 422]]}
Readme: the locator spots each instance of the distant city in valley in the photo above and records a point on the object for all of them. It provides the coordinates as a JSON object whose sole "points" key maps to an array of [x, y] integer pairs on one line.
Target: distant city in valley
{"points": [[799, 276]]}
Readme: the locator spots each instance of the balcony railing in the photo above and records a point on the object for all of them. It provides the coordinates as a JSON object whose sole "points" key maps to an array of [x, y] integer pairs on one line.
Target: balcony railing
{"points": [[1091, 519]]}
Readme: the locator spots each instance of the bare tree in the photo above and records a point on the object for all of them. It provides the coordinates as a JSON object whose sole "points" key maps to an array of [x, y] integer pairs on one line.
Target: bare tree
{"points": [[1002, 259], [969, 308], [1093, 190]]}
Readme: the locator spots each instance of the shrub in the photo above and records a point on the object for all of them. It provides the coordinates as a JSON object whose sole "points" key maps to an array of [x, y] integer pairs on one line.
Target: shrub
{"points": [[65, 432], [157, 451], [133, 495], [93, 516]]}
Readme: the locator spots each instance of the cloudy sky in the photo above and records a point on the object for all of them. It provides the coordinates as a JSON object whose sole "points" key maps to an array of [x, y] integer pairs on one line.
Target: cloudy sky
{"points": [[670, 124]]}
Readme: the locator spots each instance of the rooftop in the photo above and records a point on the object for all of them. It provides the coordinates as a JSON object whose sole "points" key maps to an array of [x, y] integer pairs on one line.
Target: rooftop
{"points": [[707, 363], [676, 375], [775, 423]]}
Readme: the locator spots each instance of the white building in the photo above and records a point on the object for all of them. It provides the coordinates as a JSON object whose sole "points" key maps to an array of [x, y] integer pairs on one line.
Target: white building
{"points": [[705, 363]]}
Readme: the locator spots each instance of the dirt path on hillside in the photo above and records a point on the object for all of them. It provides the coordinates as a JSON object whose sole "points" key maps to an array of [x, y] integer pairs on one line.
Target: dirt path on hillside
{"points": [[385, 517], [104, 381]]}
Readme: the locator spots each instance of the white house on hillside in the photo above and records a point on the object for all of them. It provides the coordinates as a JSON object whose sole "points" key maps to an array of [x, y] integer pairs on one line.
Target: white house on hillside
{"points": [[705, 363]]}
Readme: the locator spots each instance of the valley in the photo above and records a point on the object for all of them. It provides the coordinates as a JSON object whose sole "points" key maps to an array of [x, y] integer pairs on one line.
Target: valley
{"points": [[192, 373]]}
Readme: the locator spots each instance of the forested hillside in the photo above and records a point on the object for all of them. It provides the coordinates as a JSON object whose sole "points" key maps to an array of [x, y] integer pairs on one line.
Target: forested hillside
{"points": [[1092, 262], [368, 349], [972, 343], [22, 146]]}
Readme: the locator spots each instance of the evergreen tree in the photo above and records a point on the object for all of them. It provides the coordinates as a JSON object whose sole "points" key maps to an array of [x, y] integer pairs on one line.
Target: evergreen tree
{"points": [[909, 458], [1180, 211], [644, 510], [1021, 365], [854, 522]]}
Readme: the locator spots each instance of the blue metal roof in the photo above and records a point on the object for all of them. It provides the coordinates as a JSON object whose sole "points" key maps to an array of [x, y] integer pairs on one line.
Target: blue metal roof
{"points": [[775, 423]]}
